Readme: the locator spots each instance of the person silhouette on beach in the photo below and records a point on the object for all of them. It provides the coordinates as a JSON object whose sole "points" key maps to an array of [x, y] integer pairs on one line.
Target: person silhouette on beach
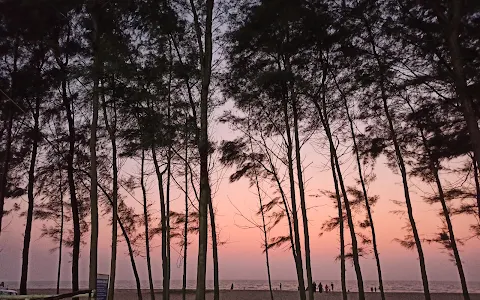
{"points": [[331, 284], [371, 289], [375, 289], [314, 286], [326, 288], [320, 287], [231, 287], [280, 286]]}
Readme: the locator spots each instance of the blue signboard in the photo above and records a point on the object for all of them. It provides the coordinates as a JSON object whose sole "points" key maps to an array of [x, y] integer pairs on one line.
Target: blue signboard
{"points": [[102, 286]]}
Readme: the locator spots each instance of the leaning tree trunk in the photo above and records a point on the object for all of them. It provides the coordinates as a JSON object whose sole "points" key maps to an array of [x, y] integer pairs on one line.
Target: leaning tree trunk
{"points": [[111, 128], [132, 260], [71, 177], [167, 222], [185, 229], [169, 169], [31, 197], [356, 260], [265, 237], [163, 221], [446, 214], [302, 197], [216, 283], [453, 242], [68, 103], [434, 168], [401, 166], [60, 240], [400, 161], [341, 228], [131, 253], [264, 228], [273, 172], [92, 279], [286, 209], [365, 196], [299, 263], [203, 143], [147, 233]]}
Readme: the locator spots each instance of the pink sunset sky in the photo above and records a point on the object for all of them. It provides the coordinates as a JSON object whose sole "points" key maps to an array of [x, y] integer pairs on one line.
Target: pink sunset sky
{"points": [[241, 255]]}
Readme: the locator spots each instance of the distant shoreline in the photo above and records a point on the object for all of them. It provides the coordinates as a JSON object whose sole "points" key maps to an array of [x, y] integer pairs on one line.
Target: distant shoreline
{"points": [[192, 291], [129, 294]]}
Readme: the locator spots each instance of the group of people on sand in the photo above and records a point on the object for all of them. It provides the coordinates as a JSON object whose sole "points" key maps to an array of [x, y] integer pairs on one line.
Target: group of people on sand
{"points": [[320, 287]]}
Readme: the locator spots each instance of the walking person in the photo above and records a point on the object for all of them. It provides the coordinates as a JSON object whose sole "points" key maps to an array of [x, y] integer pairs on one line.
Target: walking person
{"points": [[331, 284]]}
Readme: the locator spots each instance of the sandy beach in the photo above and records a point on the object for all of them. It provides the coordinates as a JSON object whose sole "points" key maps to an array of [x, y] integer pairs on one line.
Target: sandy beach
{"points": [[278, 295]]}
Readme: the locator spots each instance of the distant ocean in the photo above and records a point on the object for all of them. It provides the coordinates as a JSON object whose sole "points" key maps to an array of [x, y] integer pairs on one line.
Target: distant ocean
{"points": [[390, 286]]}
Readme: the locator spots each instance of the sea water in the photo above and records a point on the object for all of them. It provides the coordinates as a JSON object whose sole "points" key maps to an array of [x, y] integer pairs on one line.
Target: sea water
{"points": [[288, 285]]}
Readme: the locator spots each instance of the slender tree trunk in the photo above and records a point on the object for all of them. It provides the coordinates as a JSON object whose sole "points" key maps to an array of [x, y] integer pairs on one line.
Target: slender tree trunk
{"points": [[60, 243], [216, 283], [341, 227], [289, 145], [72, 189], [93, 152], [446, 214], [273, 172], [169, 174], [416, 236], [129, 246], [302, 197], [203, 143], [147, 233], [434, 168], [31, 201], [167, 222], [264, 227], [299, 263], [400, 161], [5, 167], [365, 196], [265, 237], [286, 208], [68, 103], [477, 182], [132, 259], [185, 230], [356, 260], [163, 224], [71, 176], [111, 128]]}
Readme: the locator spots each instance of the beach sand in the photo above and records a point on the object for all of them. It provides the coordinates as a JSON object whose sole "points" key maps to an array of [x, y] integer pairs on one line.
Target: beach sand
{"points": [[278, 295]]}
